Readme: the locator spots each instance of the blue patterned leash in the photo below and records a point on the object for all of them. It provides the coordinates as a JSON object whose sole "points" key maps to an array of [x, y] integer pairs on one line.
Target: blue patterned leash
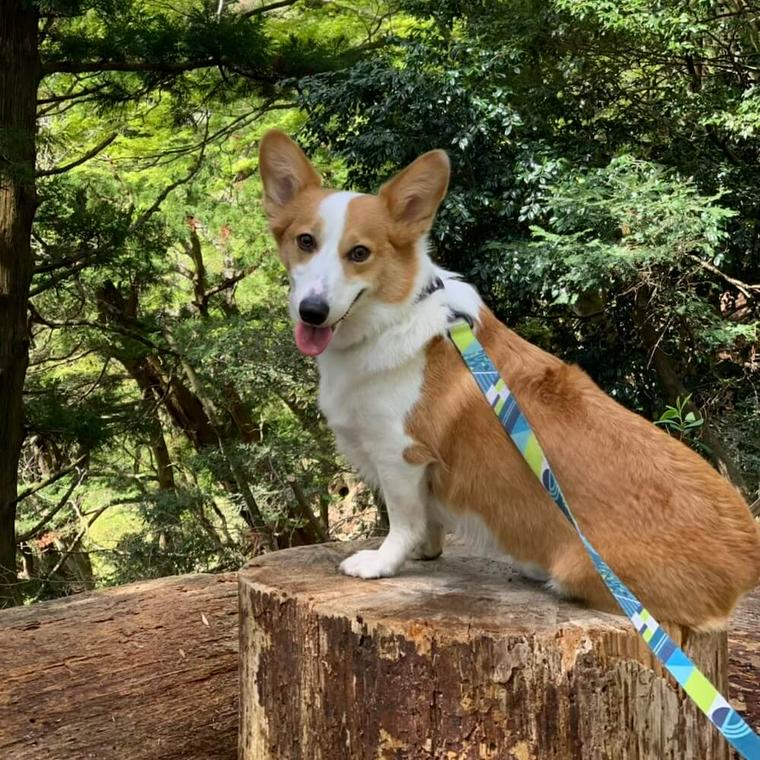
{"points": [[709, 700]]}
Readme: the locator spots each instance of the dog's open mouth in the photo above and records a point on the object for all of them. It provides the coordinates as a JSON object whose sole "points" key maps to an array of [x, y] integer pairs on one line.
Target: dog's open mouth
{"points": [[312, 340]]}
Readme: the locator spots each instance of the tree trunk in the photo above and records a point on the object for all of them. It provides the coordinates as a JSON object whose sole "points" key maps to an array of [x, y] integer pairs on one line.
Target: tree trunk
{"points": [[458, 658], [140, 672], [164, 465], [744, 658], [19, 75], [134, 672], [674, 388], [164, 470]]}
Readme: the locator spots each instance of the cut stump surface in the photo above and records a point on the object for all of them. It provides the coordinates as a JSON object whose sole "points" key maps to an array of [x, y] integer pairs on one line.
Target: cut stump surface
{"points": [[456, 658]]}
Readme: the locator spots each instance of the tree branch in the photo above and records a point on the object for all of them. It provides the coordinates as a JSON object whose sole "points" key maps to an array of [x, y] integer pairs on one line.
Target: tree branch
{"points": [[167, 67], [161, 197], [70, 95], [26, 492], [64, 275], [82, 159], [195, 252], [37, 317], [239, 122], [750, 292], [79, 536], [51, 513], [228, 282], [158, 67], [305, 510], [81, 261], [67, 261], [266, 8]]}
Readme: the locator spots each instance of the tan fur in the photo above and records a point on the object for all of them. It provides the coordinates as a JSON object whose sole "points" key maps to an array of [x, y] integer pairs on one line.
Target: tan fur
{"points": [[392, 267], [665, 521], [412, 197], [389, 224], [297, 217], [285, 172]]}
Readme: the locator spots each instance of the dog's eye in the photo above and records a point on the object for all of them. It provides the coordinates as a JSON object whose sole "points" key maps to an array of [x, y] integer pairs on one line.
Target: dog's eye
{"points": [[306, 242], [358, 254]]}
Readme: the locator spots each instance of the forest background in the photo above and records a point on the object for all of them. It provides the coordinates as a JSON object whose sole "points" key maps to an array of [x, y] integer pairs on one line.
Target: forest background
{"points": [[155, 417]]}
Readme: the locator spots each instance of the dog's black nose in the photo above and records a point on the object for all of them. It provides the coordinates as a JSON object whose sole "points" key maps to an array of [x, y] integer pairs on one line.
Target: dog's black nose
{"points": [[314, 310]]}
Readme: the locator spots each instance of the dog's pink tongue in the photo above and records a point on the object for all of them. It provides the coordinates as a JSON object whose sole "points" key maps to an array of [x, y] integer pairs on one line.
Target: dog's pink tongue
{"points": [[312, 340]]}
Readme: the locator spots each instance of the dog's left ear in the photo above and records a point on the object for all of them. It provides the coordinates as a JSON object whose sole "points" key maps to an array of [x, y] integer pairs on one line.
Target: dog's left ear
{"points": [[414, 194]]}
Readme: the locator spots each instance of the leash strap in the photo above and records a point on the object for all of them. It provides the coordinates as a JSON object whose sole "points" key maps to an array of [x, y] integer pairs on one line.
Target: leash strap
{"points": [[733, 727]]}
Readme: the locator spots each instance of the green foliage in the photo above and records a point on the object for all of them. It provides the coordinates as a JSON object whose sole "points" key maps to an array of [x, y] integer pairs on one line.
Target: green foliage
{"points": [[630, 225], [680, 422], [603, 194], [603, 198], [163, 364]]}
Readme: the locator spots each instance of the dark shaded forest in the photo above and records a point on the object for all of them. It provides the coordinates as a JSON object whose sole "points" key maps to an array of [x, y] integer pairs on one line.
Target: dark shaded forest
{"points": [[155, 417]]}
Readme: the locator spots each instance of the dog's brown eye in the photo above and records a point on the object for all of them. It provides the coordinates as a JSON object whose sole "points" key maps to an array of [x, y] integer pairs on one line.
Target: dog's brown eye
{"points": [[358, 254], [306, 242]]}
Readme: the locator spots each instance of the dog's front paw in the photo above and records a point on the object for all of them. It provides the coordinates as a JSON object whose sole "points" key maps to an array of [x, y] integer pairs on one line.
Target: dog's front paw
{"points": [[369, 563]]}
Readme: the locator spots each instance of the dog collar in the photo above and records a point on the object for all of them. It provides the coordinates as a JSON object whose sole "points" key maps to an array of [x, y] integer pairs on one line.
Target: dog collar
{"points": [[435, 284]]}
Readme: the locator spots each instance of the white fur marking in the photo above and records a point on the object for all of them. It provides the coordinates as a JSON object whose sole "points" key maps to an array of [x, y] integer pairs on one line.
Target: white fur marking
{"points": [[322, 273], [404, 489], [470, 529], [333, 211], [371, 377], [555, 587]]}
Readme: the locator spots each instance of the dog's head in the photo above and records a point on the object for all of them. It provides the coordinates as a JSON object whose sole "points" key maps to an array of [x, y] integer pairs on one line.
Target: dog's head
{"points": [[347, 254]]}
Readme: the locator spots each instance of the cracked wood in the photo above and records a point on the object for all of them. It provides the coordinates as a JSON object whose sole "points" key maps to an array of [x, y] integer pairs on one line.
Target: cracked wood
{"points": [[458, 659]]}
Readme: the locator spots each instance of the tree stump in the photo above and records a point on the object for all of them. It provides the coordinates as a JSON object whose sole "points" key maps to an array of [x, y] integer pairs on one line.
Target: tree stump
{"points": [[457, 658]]}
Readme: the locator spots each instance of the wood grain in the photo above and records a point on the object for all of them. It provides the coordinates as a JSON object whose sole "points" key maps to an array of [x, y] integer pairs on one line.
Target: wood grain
{"points": [[456, 659], [744, 659], [147, 671]]}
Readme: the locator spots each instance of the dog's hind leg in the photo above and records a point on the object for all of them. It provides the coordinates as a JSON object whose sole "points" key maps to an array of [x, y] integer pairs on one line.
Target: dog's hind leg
{"points": [[431, 546]]}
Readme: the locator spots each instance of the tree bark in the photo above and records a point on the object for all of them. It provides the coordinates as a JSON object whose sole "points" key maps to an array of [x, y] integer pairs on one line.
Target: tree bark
{"points": [[134, 673], [140, 672], [19, 76], [458, 658], [744, 658]]}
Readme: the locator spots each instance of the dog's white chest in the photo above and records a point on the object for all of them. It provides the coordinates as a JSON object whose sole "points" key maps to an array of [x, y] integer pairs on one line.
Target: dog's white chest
{"points": [[367, 411]]}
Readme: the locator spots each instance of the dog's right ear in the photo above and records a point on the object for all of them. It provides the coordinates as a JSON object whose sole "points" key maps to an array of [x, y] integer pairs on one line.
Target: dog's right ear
{"points": [[285, 170]]}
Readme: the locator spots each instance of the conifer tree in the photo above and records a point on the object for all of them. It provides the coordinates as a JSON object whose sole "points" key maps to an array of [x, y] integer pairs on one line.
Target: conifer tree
{"points": [[110, 53]]}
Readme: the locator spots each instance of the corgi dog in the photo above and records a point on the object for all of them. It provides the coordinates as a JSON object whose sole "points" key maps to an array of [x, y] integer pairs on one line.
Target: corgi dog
{"points": [[368, 302]]}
